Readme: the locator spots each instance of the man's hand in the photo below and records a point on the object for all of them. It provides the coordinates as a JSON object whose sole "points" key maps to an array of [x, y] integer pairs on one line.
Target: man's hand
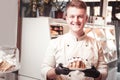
{"points": [[93, 72], [61, 70]]}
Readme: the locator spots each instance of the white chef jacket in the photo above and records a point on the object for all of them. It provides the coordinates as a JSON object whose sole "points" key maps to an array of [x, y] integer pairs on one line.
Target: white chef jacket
{"points": [[65, 47]]}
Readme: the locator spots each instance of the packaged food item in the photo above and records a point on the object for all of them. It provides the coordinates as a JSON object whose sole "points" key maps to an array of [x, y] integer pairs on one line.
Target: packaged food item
{"points": [[9, 59]]}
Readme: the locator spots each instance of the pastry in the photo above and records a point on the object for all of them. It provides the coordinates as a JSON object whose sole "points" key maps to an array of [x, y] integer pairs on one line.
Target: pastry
{"points": [[4, 66]]}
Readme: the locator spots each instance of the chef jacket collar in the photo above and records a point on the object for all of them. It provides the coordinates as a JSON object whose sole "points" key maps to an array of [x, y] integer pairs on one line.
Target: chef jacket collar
{"points": [[77, 39]]}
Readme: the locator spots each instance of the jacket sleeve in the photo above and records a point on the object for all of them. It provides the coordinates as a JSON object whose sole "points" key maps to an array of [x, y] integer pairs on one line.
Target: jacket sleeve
{"points": [[102, 65]]}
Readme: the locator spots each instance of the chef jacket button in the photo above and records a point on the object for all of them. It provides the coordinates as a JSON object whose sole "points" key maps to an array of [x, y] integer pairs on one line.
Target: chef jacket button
{"points": [[69, 75], [86, 45], [68, 45]]}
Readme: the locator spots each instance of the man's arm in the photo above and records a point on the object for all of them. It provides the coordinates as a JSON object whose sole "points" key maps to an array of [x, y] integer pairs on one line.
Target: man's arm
{"points": [[102, 66]]}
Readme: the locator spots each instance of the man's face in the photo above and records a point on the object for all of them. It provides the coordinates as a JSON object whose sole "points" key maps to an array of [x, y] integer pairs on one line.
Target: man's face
{"points": [[76, 18]]}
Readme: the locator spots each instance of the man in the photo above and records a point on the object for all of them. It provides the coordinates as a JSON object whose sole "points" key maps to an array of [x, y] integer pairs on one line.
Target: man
{"points": [[74, 56]]}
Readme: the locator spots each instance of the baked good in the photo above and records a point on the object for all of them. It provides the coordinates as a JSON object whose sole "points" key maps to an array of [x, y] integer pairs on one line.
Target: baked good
{"points": [[77, 65], [5, 66]]}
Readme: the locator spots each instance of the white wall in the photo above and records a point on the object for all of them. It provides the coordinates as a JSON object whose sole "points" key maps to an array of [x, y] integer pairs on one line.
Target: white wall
{"points": [[8, 22]]}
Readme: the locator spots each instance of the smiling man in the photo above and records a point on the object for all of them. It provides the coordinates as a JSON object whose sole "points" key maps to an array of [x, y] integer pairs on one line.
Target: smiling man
{"points": [[74, 55]]}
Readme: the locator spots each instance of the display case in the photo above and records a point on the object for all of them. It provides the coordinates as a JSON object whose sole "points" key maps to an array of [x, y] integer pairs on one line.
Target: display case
{"points": [[56, 30], [106, 36], [57, 27]]}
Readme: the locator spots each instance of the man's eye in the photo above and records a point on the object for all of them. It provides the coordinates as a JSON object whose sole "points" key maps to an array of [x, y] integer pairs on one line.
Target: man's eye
{"points": [[71, 16], [80, 16]]}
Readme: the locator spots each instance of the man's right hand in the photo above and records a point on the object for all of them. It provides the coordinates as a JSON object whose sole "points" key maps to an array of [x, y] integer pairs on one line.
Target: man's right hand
{"points": [[62, 70]]}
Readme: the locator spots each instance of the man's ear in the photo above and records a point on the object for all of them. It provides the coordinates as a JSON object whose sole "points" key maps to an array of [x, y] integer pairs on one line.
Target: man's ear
{"points": [[64, 15]]}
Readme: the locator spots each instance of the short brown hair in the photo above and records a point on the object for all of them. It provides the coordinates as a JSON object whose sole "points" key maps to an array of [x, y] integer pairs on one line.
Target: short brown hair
{"points": [[77, 4]]}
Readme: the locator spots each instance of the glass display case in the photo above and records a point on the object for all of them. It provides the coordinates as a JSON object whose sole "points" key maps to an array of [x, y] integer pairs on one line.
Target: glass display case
{"points": [[57, 27], [56, 31], [106, 36]]}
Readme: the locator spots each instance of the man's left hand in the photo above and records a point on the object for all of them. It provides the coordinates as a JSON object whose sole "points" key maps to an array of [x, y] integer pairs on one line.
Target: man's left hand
{"points": [[92, 72]]}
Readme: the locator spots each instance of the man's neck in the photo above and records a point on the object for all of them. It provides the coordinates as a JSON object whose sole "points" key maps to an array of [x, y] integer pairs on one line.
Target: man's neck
{"points": [[78, 34]]}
